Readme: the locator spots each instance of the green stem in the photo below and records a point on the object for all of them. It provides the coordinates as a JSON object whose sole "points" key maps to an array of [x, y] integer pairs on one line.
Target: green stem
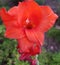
{"points": [[37, 59]]}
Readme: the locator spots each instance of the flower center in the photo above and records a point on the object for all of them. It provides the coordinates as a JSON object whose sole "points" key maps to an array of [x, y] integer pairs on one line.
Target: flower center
{"points": [[29, 24]]}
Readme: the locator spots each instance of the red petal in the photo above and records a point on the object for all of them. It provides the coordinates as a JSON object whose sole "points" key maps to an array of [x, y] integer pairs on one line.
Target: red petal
{"points": [[35, 49], [26, 46], [35, 36], [14, 33], [22, 12], [13, 11], [25, 57], [34, 11], [48, 19], [8, 19]]}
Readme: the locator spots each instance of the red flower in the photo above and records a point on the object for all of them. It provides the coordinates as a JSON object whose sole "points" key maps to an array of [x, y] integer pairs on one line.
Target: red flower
{"points": [[27, 23]]}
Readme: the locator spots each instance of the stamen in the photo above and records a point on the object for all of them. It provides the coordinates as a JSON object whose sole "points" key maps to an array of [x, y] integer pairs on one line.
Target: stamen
{"points": [[29, 24], [27, 21]]}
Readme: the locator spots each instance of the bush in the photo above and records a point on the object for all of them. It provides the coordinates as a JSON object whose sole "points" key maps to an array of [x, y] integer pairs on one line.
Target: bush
{"points": [[49, 58], [54, 33]]}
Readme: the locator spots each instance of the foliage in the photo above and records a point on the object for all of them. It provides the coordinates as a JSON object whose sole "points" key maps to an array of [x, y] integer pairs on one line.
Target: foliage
{"points": [[48, 58], [40, 1], [8, 51], [54, 33]]}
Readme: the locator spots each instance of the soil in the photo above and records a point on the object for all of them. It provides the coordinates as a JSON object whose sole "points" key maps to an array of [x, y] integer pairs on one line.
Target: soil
{"points": [[51, 45]]}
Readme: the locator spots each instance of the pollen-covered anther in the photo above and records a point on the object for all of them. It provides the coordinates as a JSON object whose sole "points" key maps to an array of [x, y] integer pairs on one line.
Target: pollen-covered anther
{"points": [[29, 24]]}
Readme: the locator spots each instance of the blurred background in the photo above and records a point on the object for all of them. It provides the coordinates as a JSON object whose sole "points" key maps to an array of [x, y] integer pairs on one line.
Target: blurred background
{"points": [[50, 51]]}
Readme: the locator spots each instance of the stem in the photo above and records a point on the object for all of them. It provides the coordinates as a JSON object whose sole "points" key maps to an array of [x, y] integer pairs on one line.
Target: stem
{"points": [[37, 59]]}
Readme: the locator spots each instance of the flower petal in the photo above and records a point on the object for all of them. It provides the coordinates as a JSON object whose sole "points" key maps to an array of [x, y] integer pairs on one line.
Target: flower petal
{"points": [[48, 19], [22, 12], [25, 57], [35, 49], [8, 19], [28, 47], [35, 36], [14, 33], [13, 11], [24, 45], [34, 11]]}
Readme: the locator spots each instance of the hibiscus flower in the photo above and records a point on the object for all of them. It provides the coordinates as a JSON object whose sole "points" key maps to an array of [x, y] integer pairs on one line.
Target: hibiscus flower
{"points": [[27, 23]]}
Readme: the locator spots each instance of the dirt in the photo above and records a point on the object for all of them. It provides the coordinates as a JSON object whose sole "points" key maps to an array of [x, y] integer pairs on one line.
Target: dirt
{"points": [[51, 44]]}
